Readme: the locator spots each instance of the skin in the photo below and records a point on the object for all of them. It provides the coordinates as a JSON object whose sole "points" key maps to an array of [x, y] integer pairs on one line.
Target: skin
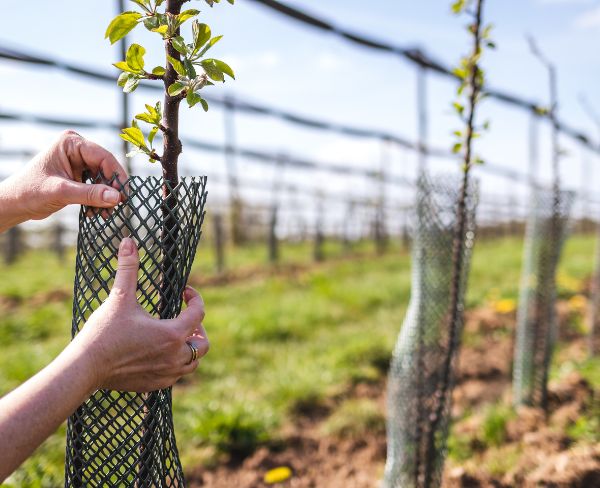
{"points": [[121, 347]]}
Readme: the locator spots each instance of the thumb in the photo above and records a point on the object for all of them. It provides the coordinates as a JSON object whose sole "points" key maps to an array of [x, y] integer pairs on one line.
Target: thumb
{"points": [[127, 272], [94, 195]]}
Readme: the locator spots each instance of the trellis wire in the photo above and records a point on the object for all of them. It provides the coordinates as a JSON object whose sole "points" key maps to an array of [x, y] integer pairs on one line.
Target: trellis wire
{"points": [[536, 316], [415, 383], [123, 438]]}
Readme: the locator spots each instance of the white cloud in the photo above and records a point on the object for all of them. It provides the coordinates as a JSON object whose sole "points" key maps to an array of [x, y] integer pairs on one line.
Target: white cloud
{"points": [[589, 19]]}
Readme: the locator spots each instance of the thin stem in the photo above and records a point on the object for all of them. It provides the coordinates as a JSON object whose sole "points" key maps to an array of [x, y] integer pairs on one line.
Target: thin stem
{"points": [[455, 308], [172, 144]]}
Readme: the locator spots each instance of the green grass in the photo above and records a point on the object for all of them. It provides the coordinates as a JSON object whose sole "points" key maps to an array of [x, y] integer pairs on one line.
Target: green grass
{"points": [[279, 342]]}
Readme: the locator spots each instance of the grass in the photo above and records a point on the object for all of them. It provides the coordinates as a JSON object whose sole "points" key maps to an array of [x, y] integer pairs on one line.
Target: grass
{"points": [[280, 342]]}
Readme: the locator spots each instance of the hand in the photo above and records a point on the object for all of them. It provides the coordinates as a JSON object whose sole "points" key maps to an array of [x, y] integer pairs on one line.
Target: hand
{"points": [[53, 180], [132, 351]]}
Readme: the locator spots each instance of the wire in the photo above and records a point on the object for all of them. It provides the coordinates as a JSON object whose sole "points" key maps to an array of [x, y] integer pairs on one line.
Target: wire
{"points": [[265, 157], [418, 57]]}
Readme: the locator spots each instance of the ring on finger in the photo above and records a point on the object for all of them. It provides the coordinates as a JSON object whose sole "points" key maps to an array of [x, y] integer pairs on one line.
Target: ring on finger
{"points": [[194, 351]]}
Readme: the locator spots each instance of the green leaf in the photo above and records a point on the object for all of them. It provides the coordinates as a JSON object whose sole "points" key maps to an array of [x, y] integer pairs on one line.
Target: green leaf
{"points": [[177, 65], [231, 1], [210, 44], [152, 134], [176, 88], [131, 84], [189, 68], [193, 98], [135, 57], [145, 118], [212, 70], [134, 135], [151, 110], [121, 25], [225, 68], [201, 33], [179, 45], [145, 4], [152, 23], [123, 77], [122, 65], [204, 104], [158, 71], [161, 29], [456, 147], [460, 72], [186, 15], [458, 107], [458, 6]]}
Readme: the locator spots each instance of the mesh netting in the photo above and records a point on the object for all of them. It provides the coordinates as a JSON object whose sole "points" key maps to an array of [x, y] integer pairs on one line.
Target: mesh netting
{"points": [[420, 383], [120, 438], [536, 316]]}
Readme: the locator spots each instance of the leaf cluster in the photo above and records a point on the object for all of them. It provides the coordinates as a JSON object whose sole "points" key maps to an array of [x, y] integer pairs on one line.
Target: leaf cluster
{"points": [[194, 71], [471, 76]]}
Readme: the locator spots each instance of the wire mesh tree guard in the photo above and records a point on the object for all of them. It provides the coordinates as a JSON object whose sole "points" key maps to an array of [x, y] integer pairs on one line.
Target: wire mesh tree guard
{"points": [[121, 438], [545, 234], [416, 390]]}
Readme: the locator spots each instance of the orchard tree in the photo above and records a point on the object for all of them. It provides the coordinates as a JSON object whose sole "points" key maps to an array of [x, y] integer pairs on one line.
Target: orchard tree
{"points": [[186, 72]]}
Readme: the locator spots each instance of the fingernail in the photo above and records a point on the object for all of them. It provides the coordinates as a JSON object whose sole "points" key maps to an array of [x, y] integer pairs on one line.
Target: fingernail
{"points": [[126, 247], [187, 293], [111, 196]]}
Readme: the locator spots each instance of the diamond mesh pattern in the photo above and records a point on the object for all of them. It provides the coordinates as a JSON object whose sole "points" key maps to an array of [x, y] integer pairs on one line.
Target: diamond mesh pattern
{"points": [[536, 317], [121, 438], [416, 392]]}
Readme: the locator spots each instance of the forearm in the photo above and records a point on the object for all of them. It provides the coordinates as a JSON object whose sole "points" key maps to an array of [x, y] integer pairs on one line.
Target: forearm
{"points": [[12, 204], [32, 412]]}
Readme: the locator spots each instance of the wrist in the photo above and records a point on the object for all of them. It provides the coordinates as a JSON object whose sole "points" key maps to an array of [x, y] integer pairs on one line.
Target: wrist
{"points": [[13, 210], [79, 354]]}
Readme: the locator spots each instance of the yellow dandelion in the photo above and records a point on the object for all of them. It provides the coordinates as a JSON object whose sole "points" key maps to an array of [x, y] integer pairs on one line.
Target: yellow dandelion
{"points": [[506, 305], [577, 303], [277, 475], [568, 283]]}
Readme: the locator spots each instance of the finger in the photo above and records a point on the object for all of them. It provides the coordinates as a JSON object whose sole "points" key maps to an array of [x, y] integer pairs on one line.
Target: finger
{"points": [[127, 271], [189, 368], [185, 353], [86, 154], [201, 343], [98, 195], [193, 315]]}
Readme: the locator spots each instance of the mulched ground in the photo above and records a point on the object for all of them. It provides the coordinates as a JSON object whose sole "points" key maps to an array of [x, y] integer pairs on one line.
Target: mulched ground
{"points": [[548, 458]]}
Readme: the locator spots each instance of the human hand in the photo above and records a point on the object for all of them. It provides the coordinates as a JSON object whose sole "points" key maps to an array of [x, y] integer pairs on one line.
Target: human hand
{"points": [[129, 349], [53, 180]]}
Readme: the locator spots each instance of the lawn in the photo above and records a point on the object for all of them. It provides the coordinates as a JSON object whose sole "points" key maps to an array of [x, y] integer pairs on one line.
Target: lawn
{"points": [[281, 338]]}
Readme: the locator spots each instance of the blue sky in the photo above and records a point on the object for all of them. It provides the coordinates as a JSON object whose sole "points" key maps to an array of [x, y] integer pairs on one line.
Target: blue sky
{"points": [[294, 67]]}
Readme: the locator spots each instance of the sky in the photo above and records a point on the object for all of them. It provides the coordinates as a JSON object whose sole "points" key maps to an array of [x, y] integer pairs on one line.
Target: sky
{"points": [[291, 66]]}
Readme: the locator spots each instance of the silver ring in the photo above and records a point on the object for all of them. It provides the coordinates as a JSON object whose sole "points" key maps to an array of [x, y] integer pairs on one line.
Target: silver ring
{"points": [[194, 350]]}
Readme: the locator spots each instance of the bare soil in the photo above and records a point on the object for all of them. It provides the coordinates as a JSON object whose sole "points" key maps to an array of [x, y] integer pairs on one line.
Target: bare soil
{"points": [[547, 456]]}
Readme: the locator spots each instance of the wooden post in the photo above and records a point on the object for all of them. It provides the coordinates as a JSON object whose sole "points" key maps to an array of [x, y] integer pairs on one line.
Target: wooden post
{"points": [[272, 241], [124, 96], [58, 245], [219, 242], [348, 221], [13, 245], [238, 232], [318, 252]]}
